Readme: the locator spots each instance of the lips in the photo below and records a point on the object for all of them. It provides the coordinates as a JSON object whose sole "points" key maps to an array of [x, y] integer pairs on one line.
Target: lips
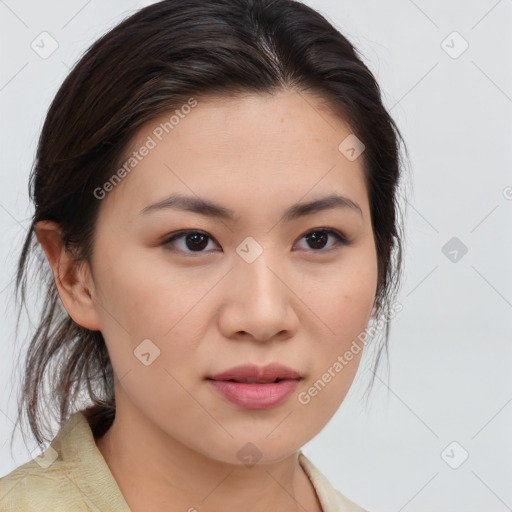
{"points": [[254, 374], [253, 387]]}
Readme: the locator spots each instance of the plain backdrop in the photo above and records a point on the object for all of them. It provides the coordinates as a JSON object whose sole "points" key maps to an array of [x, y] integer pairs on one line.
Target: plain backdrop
{"points": [[436, 432]]}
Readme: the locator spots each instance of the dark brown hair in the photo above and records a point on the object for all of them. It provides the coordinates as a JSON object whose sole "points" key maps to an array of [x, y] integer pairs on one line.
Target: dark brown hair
{"points": [[149, 64]]}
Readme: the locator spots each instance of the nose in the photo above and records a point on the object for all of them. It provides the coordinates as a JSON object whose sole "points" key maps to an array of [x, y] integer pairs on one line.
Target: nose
{"points": [[260, 303]]}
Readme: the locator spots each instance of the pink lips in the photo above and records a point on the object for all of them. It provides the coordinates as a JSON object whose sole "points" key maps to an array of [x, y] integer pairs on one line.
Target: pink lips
{"points": [[253, 387]]}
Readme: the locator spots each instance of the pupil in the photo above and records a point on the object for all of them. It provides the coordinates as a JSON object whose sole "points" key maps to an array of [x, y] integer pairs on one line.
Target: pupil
{"points": [[196, 241], [320, 240]]}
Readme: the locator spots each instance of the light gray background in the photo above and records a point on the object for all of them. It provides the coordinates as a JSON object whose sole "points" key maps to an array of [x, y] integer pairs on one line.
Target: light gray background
{"points": [[450, 350]]}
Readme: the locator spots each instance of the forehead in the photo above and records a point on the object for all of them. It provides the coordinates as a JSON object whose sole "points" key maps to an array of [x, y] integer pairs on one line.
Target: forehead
{"points": [[252, 151]]}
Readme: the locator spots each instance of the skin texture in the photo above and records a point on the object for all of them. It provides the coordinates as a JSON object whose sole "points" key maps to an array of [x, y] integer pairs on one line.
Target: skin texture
{"points": [[174, 442]]}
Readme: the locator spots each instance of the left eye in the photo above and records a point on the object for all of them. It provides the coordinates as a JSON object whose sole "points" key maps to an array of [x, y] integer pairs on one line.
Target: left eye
{"points": [[319, 237], [197, 241]]}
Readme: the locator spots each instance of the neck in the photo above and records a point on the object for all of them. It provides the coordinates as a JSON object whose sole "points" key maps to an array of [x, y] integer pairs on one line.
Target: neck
{"points": [[156, 472]]}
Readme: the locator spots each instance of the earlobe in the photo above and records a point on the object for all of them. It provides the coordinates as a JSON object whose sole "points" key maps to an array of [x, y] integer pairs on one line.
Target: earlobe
{"points": [[72, 279]]}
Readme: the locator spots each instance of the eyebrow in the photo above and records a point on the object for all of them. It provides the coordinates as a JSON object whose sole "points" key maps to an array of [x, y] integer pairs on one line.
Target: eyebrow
{"points": [[211, 209]]}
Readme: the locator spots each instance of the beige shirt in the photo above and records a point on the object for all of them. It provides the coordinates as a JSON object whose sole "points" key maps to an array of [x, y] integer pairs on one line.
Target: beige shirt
{"points": [[72, 476]]}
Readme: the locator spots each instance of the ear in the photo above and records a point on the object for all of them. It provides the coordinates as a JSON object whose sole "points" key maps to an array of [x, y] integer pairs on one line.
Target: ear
{"points": [[73, 280]]}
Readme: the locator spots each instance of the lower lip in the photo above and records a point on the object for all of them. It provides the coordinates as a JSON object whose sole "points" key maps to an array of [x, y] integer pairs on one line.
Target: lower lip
{"points": [[255, 396]]}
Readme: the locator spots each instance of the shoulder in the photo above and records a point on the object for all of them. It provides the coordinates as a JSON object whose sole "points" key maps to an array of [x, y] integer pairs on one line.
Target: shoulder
{"points": [[34, 487], [69, 475], [330, 498]]}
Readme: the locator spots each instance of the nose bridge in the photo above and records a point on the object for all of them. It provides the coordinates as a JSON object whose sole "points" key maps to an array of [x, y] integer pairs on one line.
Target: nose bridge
{"points": [[261, 300], [256, 272]]}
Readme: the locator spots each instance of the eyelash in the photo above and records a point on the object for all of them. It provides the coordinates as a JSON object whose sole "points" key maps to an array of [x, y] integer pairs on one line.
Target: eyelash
{"points": [[340, 239]]}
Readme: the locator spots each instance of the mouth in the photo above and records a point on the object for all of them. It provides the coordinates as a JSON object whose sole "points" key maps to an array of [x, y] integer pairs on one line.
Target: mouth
{"points": [[250, 381], [258, 374], [256, 388]]}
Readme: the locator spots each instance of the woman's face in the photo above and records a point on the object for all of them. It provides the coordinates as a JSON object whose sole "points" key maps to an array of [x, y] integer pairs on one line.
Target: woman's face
{"points": [[255, 286]]}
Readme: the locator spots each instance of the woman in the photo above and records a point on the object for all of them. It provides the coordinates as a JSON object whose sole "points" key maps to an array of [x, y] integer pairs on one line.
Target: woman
{"points": [[215, 194]]}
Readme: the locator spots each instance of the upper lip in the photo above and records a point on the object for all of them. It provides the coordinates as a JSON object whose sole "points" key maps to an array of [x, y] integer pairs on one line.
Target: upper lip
{"points": [[253, 373]]}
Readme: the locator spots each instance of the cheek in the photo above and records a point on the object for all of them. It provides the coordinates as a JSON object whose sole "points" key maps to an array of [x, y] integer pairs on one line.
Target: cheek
{"points": [[343, 299], [144, 296], [342, 302], [147, 315], [149, 300]]}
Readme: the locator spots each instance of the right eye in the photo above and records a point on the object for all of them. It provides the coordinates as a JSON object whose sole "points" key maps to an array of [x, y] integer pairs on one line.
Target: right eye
{"points": [[190, 241]]}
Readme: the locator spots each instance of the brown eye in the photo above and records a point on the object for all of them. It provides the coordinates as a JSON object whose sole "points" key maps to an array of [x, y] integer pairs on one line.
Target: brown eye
{"points": [[318, 239], [190, 241]]}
